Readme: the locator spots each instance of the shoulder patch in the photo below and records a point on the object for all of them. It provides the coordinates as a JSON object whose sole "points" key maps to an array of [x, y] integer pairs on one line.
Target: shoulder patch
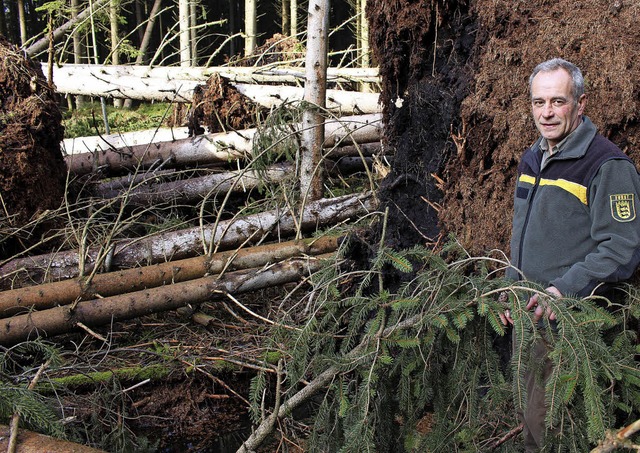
{"points": [[623, 208]]}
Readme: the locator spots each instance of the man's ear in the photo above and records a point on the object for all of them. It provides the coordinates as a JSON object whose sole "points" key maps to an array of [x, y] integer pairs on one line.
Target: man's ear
{"points": [[582, 103]]}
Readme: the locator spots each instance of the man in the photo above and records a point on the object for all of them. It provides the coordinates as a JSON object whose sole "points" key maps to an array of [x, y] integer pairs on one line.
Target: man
{"points": [[575, 225]]}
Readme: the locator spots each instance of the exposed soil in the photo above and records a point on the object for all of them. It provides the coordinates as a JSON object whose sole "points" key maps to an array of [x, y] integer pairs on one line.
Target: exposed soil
{"points": [[421, 98], [32, 169], [220, 107]]}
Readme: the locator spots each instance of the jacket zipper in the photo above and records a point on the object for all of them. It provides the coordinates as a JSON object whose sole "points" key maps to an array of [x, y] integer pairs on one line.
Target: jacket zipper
{"points": [[534, 189]]}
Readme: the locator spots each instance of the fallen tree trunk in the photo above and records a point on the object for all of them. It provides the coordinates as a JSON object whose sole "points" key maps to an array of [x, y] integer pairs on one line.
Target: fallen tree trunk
{"points": [[103, 311], [91, 143], [162, 247], [151, 191], [64, 292], [43, 43], [152, 188], [79, 145], [181, 91], [32, 442], [240, 74], [210, 148]]}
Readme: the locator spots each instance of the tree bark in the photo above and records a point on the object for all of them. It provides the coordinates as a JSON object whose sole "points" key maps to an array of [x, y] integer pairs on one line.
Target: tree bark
{"points": [[185, 34], [210, 148], [114, 11], [106, 310], [162, 247], [30, 442], [43, 43], [285, 14], [315, 86], [146, 38], [181, 90], [250, 23], [22, 22], [294, 18], [64, 292], [193, 34], [152, 190], [78, 50], [237, 74]]}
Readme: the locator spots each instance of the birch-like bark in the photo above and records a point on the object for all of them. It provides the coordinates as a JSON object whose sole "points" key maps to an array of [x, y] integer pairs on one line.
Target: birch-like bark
{"points": [[250, 25], [185, 34], [114, 11], [174, 245], [315, 88], [212, 148], [78, 51], [236, 74], [294, 18]]}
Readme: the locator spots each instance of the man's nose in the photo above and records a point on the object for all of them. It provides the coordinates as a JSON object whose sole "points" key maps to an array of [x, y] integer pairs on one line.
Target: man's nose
{"points": [[547, 110]]}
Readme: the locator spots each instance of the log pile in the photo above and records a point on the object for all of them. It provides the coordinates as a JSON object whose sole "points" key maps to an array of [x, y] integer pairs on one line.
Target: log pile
{"points": [[121, 276]]}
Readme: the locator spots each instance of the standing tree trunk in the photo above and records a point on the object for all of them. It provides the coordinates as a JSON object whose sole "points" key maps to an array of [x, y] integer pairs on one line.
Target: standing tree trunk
{"points": [[185, 35], [285, 11], [114, 9], [315, 89], [294, 17], [193, 36], [23, 22], [146, 39], [77, 47], [250, 24]]}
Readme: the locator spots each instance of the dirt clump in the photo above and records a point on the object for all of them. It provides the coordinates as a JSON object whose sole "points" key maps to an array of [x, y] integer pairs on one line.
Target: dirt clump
{"points": [[32, 168], [220, 107], [423, 85]]}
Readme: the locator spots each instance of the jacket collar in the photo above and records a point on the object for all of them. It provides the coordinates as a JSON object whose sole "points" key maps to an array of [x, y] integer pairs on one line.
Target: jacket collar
{"points": [[576, 143]]}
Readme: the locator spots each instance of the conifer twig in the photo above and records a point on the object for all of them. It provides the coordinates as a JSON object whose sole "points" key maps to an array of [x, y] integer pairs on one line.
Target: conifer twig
{"points": [[619, 439], [509, 435], [15, 420]]}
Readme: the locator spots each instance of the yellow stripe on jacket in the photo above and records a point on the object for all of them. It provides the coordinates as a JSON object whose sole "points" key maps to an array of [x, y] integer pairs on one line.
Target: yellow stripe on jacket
{"points": [[577, 190]]}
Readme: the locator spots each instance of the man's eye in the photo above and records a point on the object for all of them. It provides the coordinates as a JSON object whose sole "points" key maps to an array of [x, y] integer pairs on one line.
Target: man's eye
{"points": [[558, 102], [538, 103]]}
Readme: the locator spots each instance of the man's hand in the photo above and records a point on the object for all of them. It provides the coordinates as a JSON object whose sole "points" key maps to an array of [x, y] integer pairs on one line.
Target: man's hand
{"points": [[540, 305]]}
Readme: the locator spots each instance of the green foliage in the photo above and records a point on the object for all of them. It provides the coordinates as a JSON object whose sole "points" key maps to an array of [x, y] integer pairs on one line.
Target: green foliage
{"points": [[434, 350], [88, 121], [35, 411]]}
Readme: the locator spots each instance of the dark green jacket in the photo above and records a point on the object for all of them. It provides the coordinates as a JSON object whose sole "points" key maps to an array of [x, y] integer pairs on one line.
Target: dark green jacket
{"points": [[575, 223]]}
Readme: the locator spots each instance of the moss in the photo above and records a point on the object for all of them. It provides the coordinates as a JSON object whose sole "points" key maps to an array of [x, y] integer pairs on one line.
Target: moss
{"points": [[153, 372]]}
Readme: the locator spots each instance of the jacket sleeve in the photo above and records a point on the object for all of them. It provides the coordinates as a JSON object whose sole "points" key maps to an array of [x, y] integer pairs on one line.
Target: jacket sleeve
{"points": [[615, 227]]}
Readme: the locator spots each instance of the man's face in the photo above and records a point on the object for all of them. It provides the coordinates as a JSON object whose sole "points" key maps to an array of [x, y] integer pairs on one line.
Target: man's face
{"points": [[555, 111]]}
